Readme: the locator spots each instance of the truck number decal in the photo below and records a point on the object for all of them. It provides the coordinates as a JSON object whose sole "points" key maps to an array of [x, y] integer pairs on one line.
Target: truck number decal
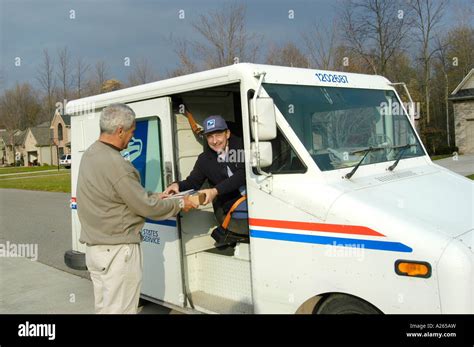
{"points": [[332, 78]]}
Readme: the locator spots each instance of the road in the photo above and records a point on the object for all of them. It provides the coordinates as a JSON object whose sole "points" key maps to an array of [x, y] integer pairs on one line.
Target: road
{"points": [[42, 218]]}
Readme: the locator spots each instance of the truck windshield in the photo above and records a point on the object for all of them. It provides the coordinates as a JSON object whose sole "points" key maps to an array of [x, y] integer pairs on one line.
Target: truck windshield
{"points": [[336, 124]]}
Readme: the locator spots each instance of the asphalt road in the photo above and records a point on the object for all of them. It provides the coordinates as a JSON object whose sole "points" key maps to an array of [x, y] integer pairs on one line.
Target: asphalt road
{"points": [[43, 218]]}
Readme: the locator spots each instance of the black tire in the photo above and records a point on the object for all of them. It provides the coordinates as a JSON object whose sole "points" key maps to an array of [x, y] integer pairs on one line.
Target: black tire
{"points": [[345, 304], [75, 260]]}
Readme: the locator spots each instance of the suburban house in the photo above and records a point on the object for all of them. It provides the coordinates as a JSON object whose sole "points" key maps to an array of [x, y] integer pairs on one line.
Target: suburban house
{"points": [[13, 150], [61, 136], [37, 145], [463, 103]]}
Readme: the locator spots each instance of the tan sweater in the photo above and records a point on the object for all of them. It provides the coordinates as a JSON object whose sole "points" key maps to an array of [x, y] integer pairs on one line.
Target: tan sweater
{"points": [[111, 203]]}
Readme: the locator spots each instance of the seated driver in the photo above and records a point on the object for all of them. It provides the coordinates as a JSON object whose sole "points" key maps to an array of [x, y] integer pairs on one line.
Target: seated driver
{"points": [[221, 164]]}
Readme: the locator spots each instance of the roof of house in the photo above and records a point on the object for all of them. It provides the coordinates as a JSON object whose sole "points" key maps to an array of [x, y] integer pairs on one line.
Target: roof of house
{"points": [[19, 137], [42, 136], [66, 118], [461, 93]]}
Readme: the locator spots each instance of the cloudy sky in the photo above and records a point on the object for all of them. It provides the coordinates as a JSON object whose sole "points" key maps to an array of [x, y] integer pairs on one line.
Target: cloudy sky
{"points": [[111, 30]]}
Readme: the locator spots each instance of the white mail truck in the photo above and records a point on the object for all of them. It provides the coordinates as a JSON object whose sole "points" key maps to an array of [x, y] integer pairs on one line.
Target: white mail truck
{"points": [[346, 211]]}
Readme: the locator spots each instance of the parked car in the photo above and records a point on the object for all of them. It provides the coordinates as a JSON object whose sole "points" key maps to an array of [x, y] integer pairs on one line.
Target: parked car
{"points": [[65, 161]]}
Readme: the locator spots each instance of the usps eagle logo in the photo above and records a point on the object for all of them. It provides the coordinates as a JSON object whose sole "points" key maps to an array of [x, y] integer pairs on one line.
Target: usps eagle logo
{"points": [[211, 123]]}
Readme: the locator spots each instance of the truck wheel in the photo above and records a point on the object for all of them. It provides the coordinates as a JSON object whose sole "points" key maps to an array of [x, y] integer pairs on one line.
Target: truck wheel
{"points": [[345, 304], [75, 260]]}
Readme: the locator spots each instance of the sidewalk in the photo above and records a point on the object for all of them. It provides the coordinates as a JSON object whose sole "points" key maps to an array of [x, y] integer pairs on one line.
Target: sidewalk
{"points": [[29, 287], [464, 165]]}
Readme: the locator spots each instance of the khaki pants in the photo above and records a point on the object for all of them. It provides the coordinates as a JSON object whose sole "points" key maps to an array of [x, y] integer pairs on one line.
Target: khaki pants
{"points": [[116, 273]]}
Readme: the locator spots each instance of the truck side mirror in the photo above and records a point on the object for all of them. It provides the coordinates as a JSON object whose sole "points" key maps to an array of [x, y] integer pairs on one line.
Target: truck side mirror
{"points": [[265, 154], [265, 109]]}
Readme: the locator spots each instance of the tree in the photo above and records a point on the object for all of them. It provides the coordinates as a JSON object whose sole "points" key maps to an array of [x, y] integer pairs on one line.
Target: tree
{"points": [[321, 44], [225, 40], [64, 72], [428, 15], [186, 64], [19, 108], [81, 70], [142, 73], [286, 55], [374, 30], [47, 82], [111, 85]]}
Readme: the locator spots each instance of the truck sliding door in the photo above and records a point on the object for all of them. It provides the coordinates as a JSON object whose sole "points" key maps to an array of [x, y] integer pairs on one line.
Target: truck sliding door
{"points": [[150, 151]]}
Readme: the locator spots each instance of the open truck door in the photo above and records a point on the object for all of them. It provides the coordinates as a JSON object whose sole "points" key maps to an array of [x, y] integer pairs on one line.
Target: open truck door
{"points": [[150, 151]]}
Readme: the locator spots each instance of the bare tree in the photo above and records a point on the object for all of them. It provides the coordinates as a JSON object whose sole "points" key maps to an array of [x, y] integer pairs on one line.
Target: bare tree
{"points": [[142, 73], [226, 40], [101, 74], [441, 49], [81, 69], [64, 72], [286, 55], [428, 15], [374, 30], [47, 81], [186, 65], [321, 42]]}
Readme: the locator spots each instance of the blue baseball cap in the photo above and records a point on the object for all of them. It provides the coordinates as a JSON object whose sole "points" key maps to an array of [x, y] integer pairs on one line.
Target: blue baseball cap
{"points": [[214, 123]]}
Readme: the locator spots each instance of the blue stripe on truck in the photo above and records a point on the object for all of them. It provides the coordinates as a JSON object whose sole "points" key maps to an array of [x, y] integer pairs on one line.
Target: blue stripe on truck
{"points": [[332, 241]]}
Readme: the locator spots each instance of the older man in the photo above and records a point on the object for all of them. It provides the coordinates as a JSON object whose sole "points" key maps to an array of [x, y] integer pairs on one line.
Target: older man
{"points": [[112, 207]]}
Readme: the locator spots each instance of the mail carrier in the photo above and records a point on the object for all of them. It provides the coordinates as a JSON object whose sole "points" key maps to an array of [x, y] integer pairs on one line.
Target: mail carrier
{"points": [[346, 211]]}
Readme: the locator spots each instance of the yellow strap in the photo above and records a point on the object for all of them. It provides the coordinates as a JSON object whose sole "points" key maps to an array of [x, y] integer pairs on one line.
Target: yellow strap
{"points": [[194, 126], [226, 221]]}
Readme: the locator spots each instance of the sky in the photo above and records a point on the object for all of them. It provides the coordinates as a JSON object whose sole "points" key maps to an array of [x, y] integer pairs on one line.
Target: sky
{"points": [[112, 30]]}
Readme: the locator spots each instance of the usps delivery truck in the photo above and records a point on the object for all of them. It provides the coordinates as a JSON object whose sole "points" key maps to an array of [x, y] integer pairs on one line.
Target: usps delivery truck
{"points": [[346, 211]]}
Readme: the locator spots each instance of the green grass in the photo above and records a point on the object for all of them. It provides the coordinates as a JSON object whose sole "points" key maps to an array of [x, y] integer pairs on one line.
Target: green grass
{"points": [[17, 169], [442, 156], [471, 177], [56, 182]]}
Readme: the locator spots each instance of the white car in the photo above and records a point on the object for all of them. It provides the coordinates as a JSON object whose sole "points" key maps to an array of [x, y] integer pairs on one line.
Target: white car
{"points": [[65, 161]]}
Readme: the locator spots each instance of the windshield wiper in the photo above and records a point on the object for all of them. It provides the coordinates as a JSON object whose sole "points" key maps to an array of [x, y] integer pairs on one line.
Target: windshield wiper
{"points": [[400, 155], [367, 151]]}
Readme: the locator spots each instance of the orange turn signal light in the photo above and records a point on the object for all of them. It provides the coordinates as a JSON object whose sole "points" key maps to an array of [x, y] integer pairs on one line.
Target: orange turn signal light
{"points": [[413, 268]]}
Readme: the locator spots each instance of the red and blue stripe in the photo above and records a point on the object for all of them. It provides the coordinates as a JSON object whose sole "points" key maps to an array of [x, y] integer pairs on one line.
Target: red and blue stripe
{"points": [[332, 234]]}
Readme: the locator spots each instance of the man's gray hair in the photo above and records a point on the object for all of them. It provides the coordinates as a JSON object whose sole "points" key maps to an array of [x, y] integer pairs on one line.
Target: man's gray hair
{"points": [[116, 115]]}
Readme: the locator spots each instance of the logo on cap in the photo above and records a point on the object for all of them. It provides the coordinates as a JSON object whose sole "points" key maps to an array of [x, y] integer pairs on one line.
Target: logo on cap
{"points": [[211, 123]]}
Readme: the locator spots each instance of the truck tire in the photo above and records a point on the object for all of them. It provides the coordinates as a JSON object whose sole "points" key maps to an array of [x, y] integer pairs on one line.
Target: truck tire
{"points": [[345, 304], [75, 260]]}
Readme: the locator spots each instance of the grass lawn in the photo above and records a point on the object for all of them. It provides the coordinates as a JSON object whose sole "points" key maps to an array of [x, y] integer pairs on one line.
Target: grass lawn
{"points": [[442, 156], [471, 177], [17, 169], [56, 182]]}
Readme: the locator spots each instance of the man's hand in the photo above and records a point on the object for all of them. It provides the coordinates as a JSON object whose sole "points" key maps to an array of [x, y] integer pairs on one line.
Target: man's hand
{"points": [[188, 204], [172, 189], [210, 194]]}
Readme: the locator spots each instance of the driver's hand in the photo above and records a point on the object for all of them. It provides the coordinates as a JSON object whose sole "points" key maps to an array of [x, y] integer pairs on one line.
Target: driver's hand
{"points": [[210, 195]]}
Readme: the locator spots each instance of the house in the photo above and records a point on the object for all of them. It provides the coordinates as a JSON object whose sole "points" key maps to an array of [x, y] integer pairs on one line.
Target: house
{"points": [[13, 150], [463, 103], [37, 145], [61, 136]]}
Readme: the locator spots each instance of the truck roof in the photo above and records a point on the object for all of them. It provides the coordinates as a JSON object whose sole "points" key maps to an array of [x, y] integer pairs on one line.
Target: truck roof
{"points": [[226, 75]]}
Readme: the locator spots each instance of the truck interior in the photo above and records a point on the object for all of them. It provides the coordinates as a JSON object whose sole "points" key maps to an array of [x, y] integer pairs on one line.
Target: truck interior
{"points": [[217, 280]]}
